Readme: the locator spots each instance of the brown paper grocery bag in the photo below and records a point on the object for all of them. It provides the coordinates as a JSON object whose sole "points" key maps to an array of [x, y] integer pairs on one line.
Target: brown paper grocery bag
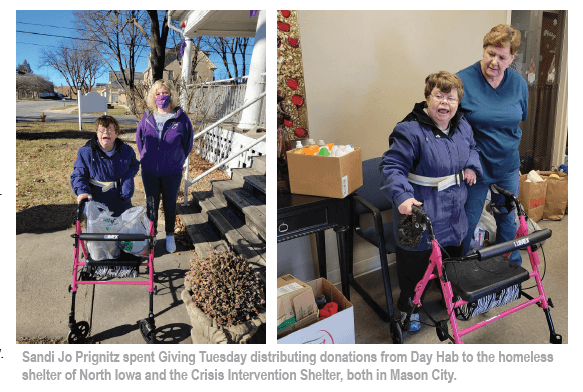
{"points": [[532, 197], [557, 194]]}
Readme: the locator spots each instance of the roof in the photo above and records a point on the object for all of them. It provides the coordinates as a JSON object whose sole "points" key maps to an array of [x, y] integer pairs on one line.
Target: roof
{"points": [[216, 23]]}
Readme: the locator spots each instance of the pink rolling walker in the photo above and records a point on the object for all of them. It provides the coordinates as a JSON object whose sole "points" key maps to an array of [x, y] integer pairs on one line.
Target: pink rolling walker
{"points": [[484, 277], [84, 272]]}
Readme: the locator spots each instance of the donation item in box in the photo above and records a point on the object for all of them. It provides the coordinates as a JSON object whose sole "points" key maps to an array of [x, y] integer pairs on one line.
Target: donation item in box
{"points": [[336, 329], [296, 306], [325, 176]]}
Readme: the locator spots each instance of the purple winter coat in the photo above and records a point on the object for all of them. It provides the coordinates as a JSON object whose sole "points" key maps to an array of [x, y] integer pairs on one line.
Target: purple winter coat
{"points": [[419, 147], [167, 155]]}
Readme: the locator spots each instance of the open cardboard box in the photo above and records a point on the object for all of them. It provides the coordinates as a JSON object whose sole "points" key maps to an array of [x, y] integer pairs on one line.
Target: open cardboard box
{"points": [[296, 304], [325, 176], [336, 329]]}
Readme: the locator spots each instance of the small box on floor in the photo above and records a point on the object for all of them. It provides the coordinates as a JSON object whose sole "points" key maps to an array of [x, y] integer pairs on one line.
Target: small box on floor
{"points": [[325, 176], [336, 329], [296, 306]]}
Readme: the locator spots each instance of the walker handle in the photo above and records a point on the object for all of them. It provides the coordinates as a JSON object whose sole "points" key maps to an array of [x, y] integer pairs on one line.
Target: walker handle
{"points": [[510, 201], [510, 246], [496, 189]]}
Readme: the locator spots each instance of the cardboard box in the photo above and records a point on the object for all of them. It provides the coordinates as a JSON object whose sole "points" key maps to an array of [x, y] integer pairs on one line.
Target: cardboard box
{"points": [[325, 176], [336, 329], [296, 304]]}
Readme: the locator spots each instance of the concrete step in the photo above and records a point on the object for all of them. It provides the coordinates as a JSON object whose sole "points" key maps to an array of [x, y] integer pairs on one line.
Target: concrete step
{"points": [[202, 234], [245, 206], [233, 230]]}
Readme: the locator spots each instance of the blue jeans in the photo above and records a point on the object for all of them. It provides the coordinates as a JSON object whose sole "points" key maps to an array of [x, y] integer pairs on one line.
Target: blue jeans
{"points": [[505, 224], [168, 186]]}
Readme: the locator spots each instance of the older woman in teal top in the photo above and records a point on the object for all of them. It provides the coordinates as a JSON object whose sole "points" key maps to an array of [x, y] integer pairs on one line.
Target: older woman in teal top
{"points": [[495, 102]]}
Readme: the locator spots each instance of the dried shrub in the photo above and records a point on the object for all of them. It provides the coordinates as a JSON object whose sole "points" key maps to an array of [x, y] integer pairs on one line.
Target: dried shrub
{"points": [[225, 288]]}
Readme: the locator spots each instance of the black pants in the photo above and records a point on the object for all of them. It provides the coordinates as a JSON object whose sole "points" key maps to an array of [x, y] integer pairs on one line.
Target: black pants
{"points": [[168, 187], [411, 265]]}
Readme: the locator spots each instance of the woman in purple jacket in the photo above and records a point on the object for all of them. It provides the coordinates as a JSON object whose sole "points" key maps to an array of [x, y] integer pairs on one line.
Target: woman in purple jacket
{"points": [[164, 140], [105, 168], [433, 143]]}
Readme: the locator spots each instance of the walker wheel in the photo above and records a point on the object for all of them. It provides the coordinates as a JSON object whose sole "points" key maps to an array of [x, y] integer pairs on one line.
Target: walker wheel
{"points": [[147, 331], [441, 330], [396, 332], [78, 333], [556, 339]]}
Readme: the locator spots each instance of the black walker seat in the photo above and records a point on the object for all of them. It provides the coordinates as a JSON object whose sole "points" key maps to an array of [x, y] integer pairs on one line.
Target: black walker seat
{"points": [[474, 279]]}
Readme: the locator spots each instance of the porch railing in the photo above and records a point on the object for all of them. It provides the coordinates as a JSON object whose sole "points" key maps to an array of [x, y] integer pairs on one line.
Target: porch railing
{"points": [[187, 182]]}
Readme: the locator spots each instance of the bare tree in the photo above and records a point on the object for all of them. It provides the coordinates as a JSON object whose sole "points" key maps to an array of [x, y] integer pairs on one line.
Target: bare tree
{"points": [[227, 48], [76, 62], [116, 39], [157, 41], [29, 83]]}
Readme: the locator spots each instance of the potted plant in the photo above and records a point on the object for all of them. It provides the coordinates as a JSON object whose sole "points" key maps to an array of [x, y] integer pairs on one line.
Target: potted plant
{"points": [[224, 298]]}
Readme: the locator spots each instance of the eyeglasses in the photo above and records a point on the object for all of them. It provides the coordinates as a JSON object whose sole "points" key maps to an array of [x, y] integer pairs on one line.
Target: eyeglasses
{"points": [[440, 97], [106, 130]]}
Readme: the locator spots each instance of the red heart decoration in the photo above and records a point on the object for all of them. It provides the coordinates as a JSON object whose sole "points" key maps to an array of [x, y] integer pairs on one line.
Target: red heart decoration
{"points": [[301, 133], [293, 84], [285, 13], [297, 100], [283, 26], [288, 123], [294, 42]]}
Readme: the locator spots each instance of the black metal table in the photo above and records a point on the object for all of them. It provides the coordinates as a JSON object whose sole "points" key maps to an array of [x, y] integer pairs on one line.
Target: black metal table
{"points": [[300, 215]]}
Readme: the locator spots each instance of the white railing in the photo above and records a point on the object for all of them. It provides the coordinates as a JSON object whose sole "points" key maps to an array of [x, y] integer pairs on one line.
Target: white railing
{"points": [[187, 182], [223, 99]]}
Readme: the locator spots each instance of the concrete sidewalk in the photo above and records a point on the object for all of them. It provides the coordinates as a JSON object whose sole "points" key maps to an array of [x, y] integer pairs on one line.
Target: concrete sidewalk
{"points": [[44, 265]]}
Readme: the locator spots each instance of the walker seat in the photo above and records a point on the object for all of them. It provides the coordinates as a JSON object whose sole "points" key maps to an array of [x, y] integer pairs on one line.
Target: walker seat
{"points": [[473, 279]]}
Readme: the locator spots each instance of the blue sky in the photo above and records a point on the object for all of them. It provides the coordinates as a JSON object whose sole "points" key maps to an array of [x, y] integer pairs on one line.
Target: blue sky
{"points": [[56, 24]]}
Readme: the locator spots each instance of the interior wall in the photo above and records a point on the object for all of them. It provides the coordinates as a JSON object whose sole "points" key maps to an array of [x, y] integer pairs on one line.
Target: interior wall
{"points": [[364, 71]]}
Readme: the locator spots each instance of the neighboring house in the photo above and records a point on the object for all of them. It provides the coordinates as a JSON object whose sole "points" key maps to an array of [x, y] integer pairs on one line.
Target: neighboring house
{"points": [[114, 95], [204, 70], [66, 91], [113, 83]]}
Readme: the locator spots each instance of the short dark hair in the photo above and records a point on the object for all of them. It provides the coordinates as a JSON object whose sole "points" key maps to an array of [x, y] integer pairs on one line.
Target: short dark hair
{"points": [[106, 121]]}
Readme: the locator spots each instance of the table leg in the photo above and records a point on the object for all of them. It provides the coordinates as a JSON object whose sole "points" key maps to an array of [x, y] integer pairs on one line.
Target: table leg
{"points": [[344, 258], [321, 248]]}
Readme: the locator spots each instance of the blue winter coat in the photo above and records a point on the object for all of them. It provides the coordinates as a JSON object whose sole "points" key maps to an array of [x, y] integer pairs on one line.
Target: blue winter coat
{"points": [[167, 155], [418, 146], [121, 167]]}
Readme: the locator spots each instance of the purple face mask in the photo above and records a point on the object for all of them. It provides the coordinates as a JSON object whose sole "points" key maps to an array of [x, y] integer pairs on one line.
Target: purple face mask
{"points": [[162, 101]]}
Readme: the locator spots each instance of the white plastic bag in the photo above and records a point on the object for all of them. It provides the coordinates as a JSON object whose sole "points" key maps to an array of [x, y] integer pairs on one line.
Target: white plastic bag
{"points": [[487, 224], [132, 221], [101, 220], [532, 226]]}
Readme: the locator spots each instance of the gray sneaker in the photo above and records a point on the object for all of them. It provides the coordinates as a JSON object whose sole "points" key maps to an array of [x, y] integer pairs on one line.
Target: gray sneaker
{"points": [[170, 244]]}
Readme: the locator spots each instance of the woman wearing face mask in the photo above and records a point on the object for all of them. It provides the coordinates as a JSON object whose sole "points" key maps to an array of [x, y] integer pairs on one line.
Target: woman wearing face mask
{"points": [[164, 140]]}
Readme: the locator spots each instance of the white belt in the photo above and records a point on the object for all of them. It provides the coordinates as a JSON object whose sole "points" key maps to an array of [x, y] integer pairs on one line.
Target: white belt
{"points": [[105, 185], [440, 182]]}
